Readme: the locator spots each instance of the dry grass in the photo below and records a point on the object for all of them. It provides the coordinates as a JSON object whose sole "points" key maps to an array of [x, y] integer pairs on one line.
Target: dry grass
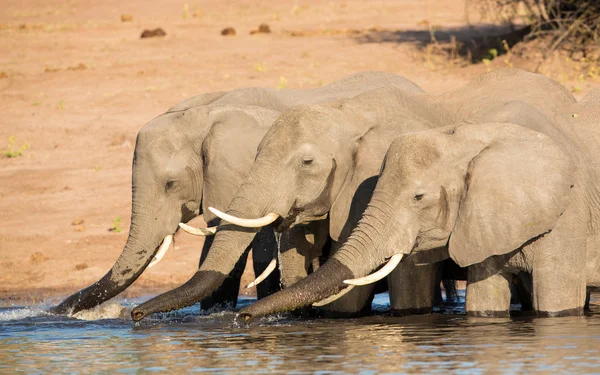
{"points": [[569, 25]]}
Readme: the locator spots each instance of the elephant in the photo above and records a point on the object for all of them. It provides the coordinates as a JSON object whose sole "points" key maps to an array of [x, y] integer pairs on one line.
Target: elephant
{"points": [[498, 198], [196, 155], [323, 159]]}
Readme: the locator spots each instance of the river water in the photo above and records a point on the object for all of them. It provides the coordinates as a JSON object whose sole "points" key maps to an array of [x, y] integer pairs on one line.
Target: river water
{"points": [[447, 342]]}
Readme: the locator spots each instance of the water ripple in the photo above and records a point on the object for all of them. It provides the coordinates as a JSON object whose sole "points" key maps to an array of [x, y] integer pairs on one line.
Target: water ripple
{"points": [[105, 340]]}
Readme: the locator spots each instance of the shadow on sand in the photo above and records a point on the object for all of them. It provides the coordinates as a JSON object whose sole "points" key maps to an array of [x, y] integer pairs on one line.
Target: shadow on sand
{"points": [[469, 42]]}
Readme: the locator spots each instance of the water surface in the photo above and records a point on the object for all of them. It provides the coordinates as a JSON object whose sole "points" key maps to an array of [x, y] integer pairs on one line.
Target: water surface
{"points": [[188, 342]]}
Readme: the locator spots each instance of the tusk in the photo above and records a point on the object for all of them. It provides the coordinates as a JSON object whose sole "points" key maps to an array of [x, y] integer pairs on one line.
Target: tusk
{"points": [[164, 247], [248, 223], [332, 298], [270, 268], [376, 276], [198, 231]]}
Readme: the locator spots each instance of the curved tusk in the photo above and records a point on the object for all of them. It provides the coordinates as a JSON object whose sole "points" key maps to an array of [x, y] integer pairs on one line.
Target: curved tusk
{"points": [[332, 298], [164, 247], [270, 268], [376, 276], [248, 223], [210, 231]]}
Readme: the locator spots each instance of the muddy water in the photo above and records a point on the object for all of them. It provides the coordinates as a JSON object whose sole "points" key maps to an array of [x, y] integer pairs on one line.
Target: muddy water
{"points": [[447, 342]]}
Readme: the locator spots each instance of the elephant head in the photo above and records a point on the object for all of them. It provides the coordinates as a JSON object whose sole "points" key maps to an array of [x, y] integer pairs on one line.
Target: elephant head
{"points": [[312, 162], [473, 191], [169, 183]]}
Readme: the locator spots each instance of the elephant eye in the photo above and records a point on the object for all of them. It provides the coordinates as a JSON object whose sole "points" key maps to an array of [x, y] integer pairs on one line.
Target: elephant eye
{"points": [[418, 197], [170, 184], [307, 160]]}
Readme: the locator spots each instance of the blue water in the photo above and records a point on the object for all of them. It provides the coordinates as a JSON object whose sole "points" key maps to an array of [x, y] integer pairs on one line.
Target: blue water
{"points": [[33, 342]]}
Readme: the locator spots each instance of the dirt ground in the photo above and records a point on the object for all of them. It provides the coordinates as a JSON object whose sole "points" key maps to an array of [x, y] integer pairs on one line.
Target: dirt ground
{"points": [[77, 83]]}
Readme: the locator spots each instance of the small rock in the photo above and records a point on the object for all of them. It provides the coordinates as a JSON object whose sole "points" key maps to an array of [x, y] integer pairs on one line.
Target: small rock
{"points": [[126, 17], [153, 33], [37, 258], [228, 31], [3, 75], [263, 28], [81, 266], [81, 66], [77, 221]]}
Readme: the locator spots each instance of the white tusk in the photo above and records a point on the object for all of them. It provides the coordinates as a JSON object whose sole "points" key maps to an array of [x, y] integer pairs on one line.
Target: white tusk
{"points": [[164, 247], [248, 223], [270, 268], [332, 298], [198, 231], [376, 276]]}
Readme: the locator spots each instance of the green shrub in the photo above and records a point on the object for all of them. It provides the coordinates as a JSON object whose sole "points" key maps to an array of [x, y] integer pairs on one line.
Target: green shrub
{"points": [[10, 151]]}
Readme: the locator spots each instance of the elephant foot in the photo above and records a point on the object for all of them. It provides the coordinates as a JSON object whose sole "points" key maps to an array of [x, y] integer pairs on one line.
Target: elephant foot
{"points": [[411, 311], [562, 313], [343, 314], [212, 305], [304, 312], [489, 314], [488, 290]]}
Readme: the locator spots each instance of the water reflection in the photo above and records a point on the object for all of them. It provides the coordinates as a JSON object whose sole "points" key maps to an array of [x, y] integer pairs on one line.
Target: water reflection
{"points": [[188, 342]]}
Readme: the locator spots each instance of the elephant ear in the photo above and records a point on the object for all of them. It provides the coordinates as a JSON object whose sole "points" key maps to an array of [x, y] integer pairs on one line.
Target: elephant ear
{"points": [[516, 188], [227, 155], [351, 202]]}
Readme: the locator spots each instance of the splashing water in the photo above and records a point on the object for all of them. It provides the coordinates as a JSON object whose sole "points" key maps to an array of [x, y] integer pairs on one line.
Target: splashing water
{"points": [[107, 310], [9, 314]]}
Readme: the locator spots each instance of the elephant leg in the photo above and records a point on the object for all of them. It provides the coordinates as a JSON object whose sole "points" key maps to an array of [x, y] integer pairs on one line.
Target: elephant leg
{"points": [[227, 294], [300, 249], [437, 297], [356, 303], [450, 273], [293, 256], [524, 291], [558, 266], [557, 290], [588, 296], [488, 290], [412, 288], [264, 249], [450, 291]]}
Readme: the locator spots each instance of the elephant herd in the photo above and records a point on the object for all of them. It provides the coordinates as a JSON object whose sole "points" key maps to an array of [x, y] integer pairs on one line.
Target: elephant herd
{"points": [[370, 178]]}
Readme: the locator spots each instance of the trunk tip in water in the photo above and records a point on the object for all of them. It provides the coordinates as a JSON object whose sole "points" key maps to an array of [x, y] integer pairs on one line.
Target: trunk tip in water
{"points": [[246, 317], [137, 315]]}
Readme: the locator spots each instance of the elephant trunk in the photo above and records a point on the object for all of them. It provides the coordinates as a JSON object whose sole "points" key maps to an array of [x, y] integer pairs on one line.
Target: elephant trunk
{"points": [[131, 264], [326, 281], [145, 237], [95, 294], [229, 245], [200, 286]]}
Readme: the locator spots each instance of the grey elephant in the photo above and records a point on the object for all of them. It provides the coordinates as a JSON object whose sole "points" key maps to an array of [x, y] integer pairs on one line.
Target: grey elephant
{"points": [[324, 159], [194, 156], [500, 198]]}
